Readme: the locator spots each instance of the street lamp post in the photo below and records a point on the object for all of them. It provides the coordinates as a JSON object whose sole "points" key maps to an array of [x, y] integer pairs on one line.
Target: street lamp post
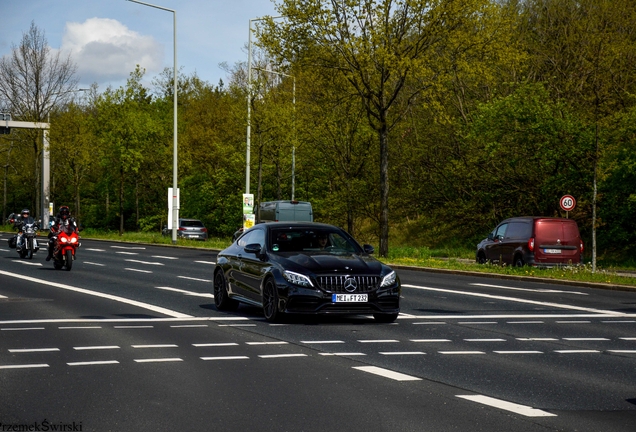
{"points": [[175, 195], [249, 101], [293, 185]]}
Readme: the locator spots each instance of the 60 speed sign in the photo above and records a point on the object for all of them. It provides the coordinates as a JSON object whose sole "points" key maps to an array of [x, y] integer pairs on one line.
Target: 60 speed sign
{"points": [[567, 202]]}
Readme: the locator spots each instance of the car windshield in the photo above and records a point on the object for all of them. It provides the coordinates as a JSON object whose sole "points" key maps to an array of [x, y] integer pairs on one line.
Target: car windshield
{"points": [[311, 240]]}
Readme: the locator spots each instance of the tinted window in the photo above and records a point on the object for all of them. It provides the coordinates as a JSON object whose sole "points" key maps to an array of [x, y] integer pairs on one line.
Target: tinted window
{"points": [[252, 236], [518, 231], [192, 224], [321, 240]]}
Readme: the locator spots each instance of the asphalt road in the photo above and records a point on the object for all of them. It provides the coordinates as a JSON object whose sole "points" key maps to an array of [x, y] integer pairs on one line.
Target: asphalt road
{"points": [[130, 340]]}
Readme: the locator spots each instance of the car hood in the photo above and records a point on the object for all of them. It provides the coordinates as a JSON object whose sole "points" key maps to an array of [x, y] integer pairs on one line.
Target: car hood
{"points": [[328, 263]]}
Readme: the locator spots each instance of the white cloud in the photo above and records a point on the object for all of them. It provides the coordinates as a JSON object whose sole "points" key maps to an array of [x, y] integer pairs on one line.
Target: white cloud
{"points": [[106, 50]]}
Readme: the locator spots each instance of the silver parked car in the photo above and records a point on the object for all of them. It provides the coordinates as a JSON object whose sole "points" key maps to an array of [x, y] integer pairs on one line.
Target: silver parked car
{"points": [[189, 229]]}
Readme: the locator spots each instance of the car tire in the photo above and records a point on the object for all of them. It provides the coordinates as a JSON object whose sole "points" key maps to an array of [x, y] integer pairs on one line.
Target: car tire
{"points": [[518, 262], [270, 302], [385, 318], [222, 299], [481, 258]]}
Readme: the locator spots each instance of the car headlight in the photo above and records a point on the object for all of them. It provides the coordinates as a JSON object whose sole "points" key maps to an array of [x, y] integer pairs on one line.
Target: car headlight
{"points": [[388, 280], [297, 279]]}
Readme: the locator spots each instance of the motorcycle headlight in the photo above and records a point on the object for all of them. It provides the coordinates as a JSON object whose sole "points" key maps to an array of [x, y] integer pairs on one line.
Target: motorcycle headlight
{"points": [[297, 279], [388, 280], [64, 240], [73, 240]]}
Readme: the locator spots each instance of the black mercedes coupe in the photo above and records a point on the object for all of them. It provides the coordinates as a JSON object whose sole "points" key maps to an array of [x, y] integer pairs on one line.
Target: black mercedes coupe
{"points": [[304, 268]]}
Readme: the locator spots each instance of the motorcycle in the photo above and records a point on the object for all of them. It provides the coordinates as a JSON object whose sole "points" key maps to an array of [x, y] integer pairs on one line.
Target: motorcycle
{"points": [[29, 243], [66, 244]]}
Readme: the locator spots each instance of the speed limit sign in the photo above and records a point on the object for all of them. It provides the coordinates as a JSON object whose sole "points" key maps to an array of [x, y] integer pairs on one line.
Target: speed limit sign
{"points": [[567, 202]]}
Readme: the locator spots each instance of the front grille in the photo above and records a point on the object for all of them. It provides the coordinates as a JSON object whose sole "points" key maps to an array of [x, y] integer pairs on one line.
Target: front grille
{"points": [[336, 284]]}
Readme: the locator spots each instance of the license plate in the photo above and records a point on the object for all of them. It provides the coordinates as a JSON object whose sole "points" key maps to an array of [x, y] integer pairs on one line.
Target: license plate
{"points": [[552, 251], [349, 298]]}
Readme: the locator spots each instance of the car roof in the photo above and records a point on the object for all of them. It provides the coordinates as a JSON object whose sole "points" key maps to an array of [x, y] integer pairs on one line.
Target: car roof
{"points": [[293, 224]]}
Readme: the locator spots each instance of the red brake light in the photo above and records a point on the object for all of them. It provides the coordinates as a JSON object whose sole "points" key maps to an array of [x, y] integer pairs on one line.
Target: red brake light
{"points": [[531, 244], [181, 229], [204, 229]]}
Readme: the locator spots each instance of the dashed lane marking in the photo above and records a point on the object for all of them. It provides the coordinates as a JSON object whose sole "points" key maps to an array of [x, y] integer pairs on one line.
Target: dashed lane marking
{"points": [[158, 360], [507, 406], [24, 366], [32, 350], [156, 346], [387, 373], [189, 293], [270, 356], [145, 262], [164, 257], [206, 262], [97, 347], [194, 279], [93, 363], [138, 270], [528, 289], [225, 358], [95, 264]]}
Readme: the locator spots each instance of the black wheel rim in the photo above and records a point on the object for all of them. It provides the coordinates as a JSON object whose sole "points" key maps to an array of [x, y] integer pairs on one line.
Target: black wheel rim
{"points": [[218, 284], [269, 302]]}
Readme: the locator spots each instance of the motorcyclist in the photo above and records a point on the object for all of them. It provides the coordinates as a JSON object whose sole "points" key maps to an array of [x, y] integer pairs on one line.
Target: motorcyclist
{"points": [[25, 218], [62, 219]]}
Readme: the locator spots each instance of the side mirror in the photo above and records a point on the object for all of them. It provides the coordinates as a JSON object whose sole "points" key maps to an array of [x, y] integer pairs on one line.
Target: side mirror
{"points": [[253, 248], [490, 236], [368, 249]]}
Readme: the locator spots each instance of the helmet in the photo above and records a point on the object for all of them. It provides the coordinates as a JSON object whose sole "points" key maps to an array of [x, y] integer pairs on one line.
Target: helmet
{"points": [[25, 213], [64, 212]]}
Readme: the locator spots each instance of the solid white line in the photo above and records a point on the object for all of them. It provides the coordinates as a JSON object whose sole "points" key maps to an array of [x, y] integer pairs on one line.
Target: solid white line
{"points": [[403, 353], [267, 343], [102, 295], [104, 362], [158, 360], [323, 342], [194, 279], [26, 366], [29, 350], [137, 270], [206, 262], [22, 328], [518, 352], [378, 341], [585, 339], [518, 300], [386, 373], [461, 352], [528, 289], [575, 351], [145, 262], [190, 293], [101, 347], [156, 346], [485, 340], [96, 264], [282, 356], [507, 406], [226, 358], [430, 340], [215, 344]]}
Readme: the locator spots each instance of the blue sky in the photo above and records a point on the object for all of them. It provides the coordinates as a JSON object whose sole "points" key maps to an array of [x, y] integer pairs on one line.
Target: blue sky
{"points": [[107, 38]]}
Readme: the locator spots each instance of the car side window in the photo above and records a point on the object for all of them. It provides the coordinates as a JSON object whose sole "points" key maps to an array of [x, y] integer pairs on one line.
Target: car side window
{"points": [[253, 236], [518, 230], [501, 231]]}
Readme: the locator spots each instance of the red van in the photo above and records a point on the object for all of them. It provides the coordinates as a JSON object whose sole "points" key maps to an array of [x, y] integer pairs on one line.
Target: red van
{"points": [[534, 241]]}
